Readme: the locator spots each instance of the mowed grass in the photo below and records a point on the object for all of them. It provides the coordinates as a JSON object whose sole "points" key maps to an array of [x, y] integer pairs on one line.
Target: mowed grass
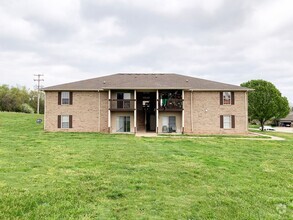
{"points": [[100, 176]]}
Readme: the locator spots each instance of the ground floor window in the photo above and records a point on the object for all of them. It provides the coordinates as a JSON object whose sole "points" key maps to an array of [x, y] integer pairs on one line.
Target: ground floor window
{"points": [[227, 121], [169, 124], [64, 121], [123, 124]]}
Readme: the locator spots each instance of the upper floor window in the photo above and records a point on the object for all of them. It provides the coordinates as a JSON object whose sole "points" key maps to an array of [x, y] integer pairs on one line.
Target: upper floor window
{"points": [[65, 98], [227, 98]]}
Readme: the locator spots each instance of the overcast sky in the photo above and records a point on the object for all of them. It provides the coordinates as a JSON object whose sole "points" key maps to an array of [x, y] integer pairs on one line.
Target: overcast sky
{"points": [[230, 41]]}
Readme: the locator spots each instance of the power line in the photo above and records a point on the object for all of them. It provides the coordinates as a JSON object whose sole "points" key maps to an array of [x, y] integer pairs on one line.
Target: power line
{"points": [[39, 79]]}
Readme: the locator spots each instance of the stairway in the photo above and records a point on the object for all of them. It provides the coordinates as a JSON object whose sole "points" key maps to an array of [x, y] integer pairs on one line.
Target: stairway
{"points": [[140, 117]]}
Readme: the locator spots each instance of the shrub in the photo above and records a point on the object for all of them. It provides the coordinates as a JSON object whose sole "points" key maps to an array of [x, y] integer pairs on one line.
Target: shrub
{"points": [[26, 108]]}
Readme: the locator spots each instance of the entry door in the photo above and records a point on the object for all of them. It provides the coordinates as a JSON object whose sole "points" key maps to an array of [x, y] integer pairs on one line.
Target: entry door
{"points": [[123, 124], [152, 122], [169, 124], [120, 102], [172, 123]]}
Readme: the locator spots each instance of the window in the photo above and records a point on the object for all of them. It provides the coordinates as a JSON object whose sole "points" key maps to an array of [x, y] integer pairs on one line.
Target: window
{"points": [[64, 121], [227, 121], [123, 124], [64, 98], [227, 98], [169, 124]]}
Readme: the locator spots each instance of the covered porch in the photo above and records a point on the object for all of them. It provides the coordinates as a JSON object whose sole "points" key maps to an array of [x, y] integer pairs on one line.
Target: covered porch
{"points": [[146, 111]]}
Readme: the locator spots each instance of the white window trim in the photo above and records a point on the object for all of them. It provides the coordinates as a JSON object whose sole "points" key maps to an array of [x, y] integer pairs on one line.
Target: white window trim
{"points": [[62, 97], [62, 118], [230, 100], [230, 122]]}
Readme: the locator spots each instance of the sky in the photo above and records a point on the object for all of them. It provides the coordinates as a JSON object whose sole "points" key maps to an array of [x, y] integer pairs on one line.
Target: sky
{"points": [[229, 41]]}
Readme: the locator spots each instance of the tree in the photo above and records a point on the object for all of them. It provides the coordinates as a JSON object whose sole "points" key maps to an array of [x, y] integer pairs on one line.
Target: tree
{"points": [[33, 100], [265, 102], [19, 99]]}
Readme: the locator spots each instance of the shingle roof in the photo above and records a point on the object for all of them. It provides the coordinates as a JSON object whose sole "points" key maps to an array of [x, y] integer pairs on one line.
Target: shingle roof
{"points": [[145, 81]]}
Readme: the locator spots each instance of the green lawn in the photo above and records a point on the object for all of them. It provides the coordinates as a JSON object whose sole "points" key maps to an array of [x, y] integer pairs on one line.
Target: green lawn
{"points": [[99, 176]]}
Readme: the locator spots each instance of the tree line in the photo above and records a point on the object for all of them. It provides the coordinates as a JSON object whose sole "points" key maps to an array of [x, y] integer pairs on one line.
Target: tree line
{"points": [[20, 99]]}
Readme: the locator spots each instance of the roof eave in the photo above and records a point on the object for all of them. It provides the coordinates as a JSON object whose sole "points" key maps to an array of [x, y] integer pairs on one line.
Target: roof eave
{"points": [[77, 90], [217, 90]]}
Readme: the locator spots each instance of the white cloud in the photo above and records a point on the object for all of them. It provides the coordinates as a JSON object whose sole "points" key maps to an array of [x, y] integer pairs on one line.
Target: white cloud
{"points": [[224, 40]]}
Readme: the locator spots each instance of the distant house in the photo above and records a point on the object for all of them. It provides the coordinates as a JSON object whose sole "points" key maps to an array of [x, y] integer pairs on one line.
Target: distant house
{"points": [[161, 103], [286, 122]]}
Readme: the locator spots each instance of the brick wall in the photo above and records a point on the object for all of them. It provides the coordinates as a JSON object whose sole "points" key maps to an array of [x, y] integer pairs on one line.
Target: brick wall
{"points": [[204, 115], [87, 114]]}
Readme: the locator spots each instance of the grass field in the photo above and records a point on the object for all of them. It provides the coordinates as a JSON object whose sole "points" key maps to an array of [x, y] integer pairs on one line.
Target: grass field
{"points": [[99, 176]]}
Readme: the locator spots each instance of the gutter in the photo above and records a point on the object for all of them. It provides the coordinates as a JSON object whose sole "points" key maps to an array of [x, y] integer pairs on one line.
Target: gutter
{"points": [[220, 90], [73, 90]]}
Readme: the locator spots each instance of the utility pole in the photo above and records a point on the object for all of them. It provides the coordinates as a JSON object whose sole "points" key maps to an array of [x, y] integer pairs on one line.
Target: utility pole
{"points": [[38, 88]]}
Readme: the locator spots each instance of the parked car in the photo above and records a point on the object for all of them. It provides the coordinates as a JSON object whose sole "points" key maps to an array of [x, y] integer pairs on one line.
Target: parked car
{"points": [[267, 128]]}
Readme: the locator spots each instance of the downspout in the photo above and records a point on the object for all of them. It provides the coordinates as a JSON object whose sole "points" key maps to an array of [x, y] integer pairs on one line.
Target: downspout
{"points": [[182, 130], [109, 111], [157, 111], [135, 113], [246, 111], [99, 122], [191, 110], [45, 114]]}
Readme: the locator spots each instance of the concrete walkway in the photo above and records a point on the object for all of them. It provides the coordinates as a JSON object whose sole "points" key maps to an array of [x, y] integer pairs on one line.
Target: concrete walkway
{"points": [[271, 138], [266, 137], [146, 134]]}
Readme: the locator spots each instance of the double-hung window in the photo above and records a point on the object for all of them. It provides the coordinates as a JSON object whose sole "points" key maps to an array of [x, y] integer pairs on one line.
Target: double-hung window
{"points": [[227, 121], [65, 98], [227, 98], [64, 121]]}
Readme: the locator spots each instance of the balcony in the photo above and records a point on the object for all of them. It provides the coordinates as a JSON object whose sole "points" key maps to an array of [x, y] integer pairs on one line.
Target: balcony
{"points": [[122, 104], [170, 104]]}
